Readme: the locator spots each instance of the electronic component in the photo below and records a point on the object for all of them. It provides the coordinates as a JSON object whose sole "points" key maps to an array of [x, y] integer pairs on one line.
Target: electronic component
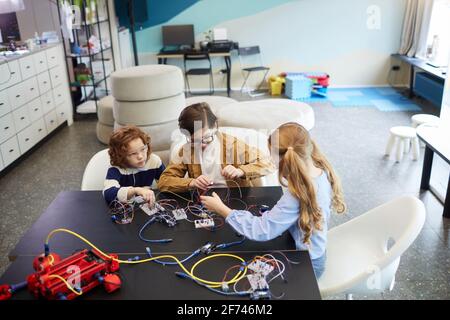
{"points": [[204, 223], [167, 218], [152, 210], [260, 295], [257, 281], [121, 213], [179, 214], [261, 267], [208, 248]]}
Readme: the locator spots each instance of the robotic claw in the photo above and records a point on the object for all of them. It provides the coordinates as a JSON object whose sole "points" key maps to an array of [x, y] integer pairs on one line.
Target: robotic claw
{"points": [[54, 277]]}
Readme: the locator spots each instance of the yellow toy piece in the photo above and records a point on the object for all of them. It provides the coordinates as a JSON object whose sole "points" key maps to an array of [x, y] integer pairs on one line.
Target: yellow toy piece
{"points": [[276, 85]]}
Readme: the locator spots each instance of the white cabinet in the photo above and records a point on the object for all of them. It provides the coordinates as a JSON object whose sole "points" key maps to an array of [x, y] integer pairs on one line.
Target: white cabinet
{"points": [[27, 68], [10, 151], [34, 101]]}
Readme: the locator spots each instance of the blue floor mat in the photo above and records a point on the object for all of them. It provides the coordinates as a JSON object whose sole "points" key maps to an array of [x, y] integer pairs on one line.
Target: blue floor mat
{"points": [[383, 99]]}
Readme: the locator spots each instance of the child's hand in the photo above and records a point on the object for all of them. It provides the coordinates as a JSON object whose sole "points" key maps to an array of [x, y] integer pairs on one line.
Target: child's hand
{"points": [[231, 172], [215, 204], [147, 194], [202, 183]]}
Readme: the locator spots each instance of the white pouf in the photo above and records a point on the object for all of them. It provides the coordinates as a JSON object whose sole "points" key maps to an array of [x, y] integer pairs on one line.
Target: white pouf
{"points": [[402, 137], [149, 112], [104, 132], [213, 101], [105, 110], [268, 114], [149, 82]]}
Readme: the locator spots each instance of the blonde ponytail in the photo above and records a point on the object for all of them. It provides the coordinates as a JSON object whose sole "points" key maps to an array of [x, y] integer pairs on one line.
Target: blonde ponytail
{"points": [[294, 169]]}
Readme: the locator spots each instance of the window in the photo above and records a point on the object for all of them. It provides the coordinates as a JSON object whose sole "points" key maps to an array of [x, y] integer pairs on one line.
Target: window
{"points": [[439, 33]]}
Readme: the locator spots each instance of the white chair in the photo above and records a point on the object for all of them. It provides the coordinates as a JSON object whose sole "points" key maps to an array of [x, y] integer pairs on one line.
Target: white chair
{"points": [[422, 118], [363, 254], [402, 137], [95, 171]]}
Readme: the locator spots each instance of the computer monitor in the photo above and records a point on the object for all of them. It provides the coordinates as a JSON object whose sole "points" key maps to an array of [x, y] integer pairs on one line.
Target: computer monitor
{"points": [[178, 35]]}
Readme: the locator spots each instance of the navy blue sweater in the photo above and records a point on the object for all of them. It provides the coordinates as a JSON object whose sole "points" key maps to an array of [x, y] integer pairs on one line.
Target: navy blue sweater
{"points": [[119, 181]]}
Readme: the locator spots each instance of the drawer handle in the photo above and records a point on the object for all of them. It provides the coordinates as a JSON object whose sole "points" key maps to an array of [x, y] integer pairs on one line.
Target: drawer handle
{"points": [[18, 96], [45, 82], [41, 61], [39, 130], [28, 67], [48, 102], [22, 118], [59, 96], [36, 109], [51, 121], [27, 139], [12, 150], [6, 128], [1, 103], [31, 89], [13, 72]]}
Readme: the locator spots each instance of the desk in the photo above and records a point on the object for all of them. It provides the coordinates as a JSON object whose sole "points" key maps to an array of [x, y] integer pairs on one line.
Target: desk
{"points": [[86, 213], [162, 59], [437, 141], [422, 65]]}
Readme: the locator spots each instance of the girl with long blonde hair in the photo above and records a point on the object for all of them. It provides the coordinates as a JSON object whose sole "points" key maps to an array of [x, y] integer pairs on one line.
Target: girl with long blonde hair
{"points": [[312, 190]]}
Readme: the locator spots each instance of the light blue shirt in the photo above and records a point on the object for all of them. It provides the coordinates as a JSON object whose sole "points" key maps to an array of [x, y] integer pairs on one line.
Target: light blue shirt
{"points": [[284, 216]]}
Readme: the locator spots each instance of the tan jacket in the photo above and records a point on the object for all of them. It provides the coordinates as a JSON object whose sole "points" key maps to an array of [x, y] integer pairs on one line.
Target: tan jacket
{"points": [[234, 152]]}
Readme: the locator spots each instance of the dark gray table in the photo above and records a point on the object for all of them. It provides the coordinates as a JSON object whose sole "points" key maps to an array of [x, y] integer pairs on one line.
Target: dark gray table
{"points": [[86, 212], [153, 281], [436, 140]]}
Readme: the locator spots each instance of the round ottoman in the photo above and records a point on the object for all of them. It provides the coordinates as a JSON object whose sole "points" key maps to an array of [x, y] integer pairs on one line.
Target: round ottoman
{"points": [[105, 124], [214, 102]]}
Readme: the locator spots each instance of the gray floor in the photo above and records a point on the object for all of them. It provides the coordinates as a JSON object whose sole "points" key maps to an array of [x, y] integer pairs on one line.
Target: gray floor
{"points": [[352, 138]]}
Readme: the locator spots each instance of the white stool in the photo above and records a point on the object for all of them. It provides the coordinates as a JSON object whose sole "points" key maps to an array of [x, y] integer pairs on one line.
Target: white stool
{"points": [[418, 119], [402, 137]]}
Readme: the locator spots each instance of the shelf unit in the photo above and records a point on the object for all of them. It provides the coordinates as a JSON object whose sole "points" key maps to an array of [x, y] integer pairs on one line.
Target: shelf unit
{"points": [[91, 91]]}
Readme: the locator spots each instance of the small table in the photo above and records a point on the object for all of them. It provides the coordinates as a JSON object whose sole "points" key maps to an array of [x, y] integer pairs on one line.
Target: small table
{"points": [[436, 140], [162, 59]]}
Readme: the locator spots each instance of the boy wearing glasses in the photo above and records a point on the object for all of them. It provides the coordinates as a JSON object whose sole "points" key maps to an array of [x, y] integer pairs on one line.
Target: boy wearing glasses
{"points": [[133, 166], [210, 157]]}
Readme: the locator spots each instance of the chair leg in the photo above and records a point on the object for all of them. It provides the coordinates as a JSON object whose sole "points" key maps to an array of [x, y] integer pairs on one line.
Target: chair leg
{"points": [[245, 82], [407, 145], [263, 80], [400, 149], [390, 145], [415, 148], [349, 296], [187, 84]]}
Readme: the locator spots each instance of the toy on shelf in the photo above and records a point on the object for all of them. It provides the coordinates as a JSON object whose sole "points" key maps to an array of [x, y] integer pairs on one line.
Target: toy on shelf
{"points": [[82, 74]]}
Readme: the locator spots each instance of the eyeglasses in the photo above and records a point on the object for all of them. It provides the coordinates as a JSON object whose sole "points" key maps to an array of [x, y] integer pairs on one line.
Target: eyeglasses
{"points": [[206, 139], [135, 154]]}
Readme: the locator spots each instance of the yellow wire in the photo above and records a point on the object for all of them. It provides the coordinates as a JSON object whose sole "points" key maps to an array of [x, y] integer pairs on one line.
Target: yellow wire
{"points": [[66, 283], [239, 275], [52, 259]]}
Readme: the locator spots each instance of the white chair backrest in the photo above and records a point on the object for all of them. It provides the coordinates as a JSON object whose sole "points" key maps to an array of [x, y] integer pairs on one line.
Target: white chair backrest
{"points": [[95, 171], [370, 246]]}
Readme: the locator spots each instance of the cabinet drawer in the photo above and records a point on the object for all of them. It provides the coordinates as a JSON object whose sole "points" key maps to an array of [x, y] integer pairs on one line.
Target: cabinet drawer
{"points": [[44, 82], [40, 61], [47, 102], [39, 130], [31, 89], [21, 118], [4, 103], [51, 122], [10, 151], [35, 109], [27, 67], [57, 76], [61, 113], [7, 129], [26, 139], [17, 96], [53, 57], [59, 94], [9, 74]]}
